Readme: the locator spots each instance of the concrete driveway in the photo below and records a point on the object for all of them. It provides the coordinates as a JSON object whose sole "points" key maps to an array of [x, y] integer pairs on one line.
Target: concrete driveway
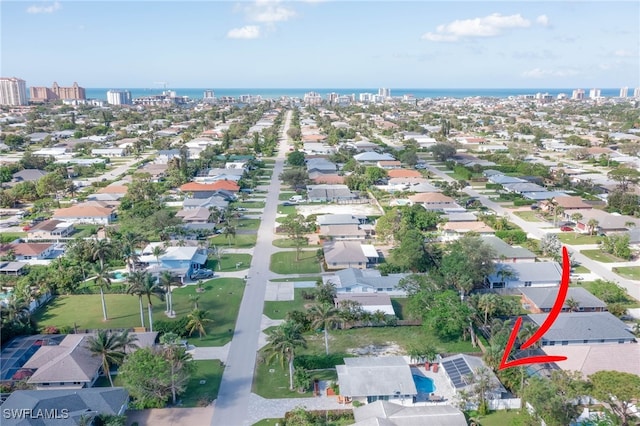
{"points": [[171, 416]]}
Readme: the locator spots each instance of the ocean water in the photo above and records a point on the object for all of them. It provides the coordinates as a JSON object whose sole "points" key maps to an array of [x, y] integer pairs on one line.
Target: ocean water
{"points": [[198, 93]]}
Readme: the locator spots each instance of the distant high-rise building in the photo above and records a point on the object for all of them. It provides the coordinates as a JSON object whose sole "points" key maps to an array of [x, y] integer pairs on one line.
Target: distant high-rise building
{"points": [[624, 91], [332, 97], [13, 91], [364, 97], [119, 97], [594, 93], [209, 94], [312, 98], [44, 94], [578, 94], [636, 92], [385, 93]]}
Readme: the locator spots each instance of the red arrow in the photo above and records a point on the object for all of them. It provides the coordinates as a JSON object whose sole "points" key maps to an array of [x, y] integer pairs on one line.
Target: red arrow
{"points": [[546, 325]]}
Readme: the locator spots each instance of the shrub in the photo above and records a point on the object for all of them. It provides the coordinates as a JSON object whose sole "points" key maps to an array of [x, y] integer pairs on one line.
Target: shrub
{"points": [[512, 236], [178, 326], [357, 404], [519, 203], [319, 362]]}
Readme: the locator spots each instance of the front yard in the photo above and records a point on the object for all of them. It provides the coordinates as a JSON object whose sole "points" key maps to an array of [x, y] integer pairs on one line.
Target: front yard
{"points": [[529, 216], [229, 262], [629, 272], [572, 238], [211, 372], [238, 241], [285, 262], [601, 256]]}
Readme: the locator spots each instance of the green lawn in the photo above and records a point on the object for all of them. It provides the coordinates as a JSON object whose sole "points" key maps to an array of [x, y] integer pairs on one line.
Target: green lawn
{"points": [[400, 306], [211, 372], [578, 239], [284, 196], [629, 272], [529, 216], [251, 204], [7, 237], [630, 303], [221, 299], [269, 422], [85, 231], [284, 262], [280, 309], [238, 241], [228, 262], [580, 270], [249, 224], [287, 243], [287, 209], [499, 418], [272, 380], [601, 256]]}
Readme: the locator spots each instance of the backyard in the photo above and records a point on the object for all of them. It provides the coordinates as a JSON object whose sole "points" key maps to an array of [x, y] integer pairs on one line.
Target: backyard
{"points": [[221, 299], [285, 262]]}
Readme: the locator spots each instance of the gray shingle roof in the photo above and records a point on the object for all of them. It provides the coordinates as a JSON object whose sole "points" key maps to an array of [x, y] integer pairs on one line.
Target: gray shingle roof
{"points": [[545, 297], [508, 251], [387, 413], [580, 326]]}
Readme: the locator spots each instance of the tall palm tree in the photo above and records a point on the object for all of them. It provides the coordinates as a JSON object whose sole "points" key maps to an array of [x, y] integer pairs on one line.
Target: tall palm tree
{"points": [[229, 231], [166, 279], [197, 322], [15, 308], [488, 303], [283, 343], [100, 250], [528, 329], [150, 286], [103, 281], [110, 347], [134, 282], [325, 316], [158, 251], [129, 242], [592, 225]]}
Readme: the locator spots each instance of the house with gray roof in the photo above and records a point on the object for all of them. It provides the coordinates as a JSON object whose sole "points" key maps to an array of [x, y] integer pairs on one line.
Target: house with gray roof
{"points": [[540, 300], [502, 179], [353, 280], [321, 165], [207, 203], [370, 302], [343, 232], [67, 406], [461, 369], [339, 219], [506, 253], [583, 328], [28, 175], [69, 365], [525, 274], [376, 378], [385, 413], [523, 187], [325, 193], [372, 157], [344, 254]]}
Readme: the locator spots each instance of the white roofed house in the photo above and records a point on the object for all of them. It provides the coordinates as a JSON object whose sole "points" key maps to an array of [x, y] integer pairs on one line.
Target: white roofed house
{"points": [[108, 152], [355, 281], [181, 261]]}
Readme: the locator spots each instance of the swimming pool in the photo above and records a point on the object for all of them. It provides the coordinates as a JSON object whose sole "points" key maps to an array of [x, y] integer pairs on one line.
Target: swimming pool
{"points": [[424, 384]]}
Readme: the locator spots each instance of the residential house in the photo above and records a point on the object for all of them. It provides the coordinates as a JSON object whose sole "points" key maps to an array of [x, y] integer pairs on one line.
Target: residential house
{"points": [[195, 215], [461, 370], [389, 164], [454, 230], [583, 328], [540, 300], [69, 365], [354, 280], [13, 268], [343, 232], [156, 170], [591, 358], [376, 378], [525, 274], [506, 253], [370, 302], [207, 203], [28, 175], [313, 148], [72, 406], [339, 219], [206, 190], [326, 193], [501, 179], [460, 217], [50, 230], [83, 213], [164, 155], [344, 254], [28, 251], [330, 179], [108, 152], [523, 187], [385, 413], [182, 261], [571, 203], [320, 165], [371, 158], [408, 184], [606, 222], [433, 201], [403, 173]]}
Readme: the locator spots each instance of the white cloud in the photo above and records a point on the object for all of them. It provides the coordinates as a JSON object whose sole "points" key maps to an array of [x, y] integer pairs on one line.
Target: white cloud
{"points": [[268, 11], [625, 53], [488, 26], [52, 7], [543, 20], [247, 32], [540, 73]]}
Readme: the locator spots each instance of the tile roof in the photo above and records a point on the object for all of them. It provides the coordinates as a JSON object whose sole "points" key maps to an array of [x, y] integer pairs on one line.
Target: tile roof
{"points": [[206, 187], [29, 249], [404, 173], [83, 211], [431, 197]]}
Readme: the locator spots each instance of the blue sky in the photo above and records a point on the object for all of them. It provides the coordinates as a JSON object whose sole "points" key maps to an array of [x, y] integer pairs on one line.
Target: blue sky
{"points": [[418, 44]]}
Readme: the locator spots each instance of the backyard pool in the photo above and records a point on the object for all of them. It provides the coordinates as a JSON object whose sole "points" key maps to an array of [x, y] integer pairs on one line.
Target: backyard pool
{"points": [[424, 384], [118, 276]]}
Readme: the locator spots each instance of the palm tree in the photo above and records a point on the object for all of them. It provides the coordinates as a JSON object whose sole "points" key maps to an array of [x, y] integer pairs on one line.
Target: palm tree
{"points": [[134, 280], [572, 304], [325, 316], [110, 347], [150, 287], [488, 303], [575, 217], [166, 278], [100, 250], [129, 242], [197, 321], [528, 329], [158, 251], [592, 225], [283, 342], [103, 281], [229, 231], [15, 308]]}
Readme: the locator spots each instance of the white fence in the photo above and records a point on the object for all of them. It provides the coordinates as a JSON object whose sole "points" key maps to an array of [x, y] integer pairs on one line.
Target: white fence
{"points": [[505, 404]]}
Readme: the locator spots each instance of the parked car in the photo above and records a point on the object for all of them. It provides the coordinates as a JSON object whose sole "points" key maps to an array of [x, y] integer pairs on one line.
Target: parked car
{"points": [[287, 203], [26, 228], [241, 209], [201, 274], [566, 228]]}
